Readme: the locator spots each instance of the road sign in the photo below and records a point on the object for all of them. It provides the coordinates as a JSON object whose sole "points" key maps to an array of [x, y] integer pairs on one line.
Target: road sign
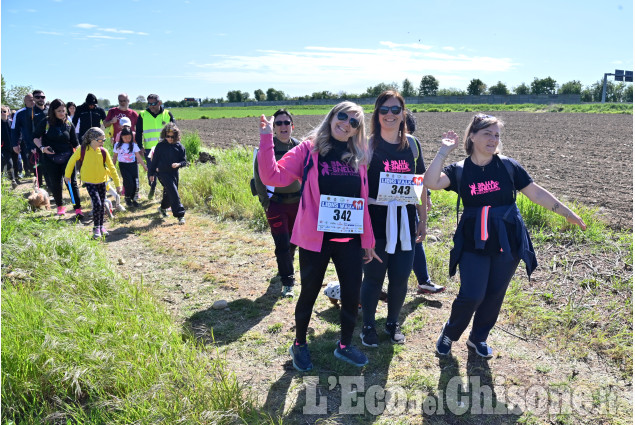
{"points": [[628, 76]]}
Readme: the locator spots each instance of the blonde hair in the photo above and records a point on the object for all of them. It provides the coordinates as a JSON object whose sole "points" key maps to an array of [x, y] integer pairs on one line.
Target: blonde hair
{"points": [[479, 122], [357, 144]]}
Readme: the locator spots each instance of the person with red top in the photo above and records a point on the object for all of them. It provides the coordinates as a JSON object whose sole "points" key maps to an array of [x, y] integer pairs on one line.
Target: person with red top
{"points": [[118, 112], [332, 221]]}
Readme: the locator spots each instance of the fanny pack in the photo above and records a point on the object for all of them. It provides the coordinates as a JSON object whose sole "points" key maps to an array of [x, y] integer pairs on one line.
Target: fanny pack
{"points": [[60, 158]]}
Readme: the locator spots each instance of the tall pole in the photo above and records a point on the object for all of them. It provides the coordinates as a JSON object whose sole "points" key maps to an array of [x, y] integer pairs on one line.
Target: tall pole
{"points": [[604, 88]]}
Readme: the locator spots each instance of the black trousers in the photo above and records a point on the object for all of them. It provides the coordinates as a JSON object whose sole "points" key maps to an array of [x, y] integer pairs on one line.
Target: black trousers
{"points": [[347, 259], [170, 182], [55, 182], [130, 176]]}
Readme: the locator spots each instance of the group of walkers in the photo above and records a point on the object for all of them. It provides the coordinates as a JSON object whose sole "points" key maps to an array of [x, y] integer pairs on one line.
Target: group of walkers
{"points": [[56, 141], [360, 202]]}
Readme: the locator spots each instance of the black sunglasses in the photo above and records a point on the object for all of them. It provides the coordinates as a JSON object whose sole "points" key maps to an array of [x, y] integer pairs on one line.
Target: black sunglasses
{"points": [[343, 116], [153, 103], [394, 109], [37, 96], [285, 122]]}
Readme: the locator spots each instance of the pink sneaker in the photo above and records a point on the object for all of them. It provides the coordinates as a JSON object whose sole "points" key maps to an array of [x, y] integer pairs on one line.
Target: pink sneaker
{"points": [[96, 233], [61, 210], [104, 232]]}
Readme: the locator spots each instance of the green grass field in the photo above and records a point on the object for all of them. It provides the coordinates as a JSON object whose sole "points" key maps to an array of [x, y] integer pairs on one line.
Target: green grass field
{"points": [[241, 112]]}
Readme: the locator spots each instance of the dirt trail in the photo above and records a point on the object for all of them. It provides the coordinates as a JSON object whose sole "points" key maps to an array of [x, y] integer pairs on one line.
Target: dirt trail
{"points": [[190, 267]]}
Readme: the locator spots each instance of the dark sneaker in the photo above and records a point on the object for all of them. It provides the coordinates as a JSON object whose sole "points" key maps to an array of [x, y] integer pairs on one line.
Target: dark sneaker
{"points": [[394, 330], [181, 220], [134, 203], [301, 357], [162, 212], [369, 336], [351, 354], [444, 343], [128, 202], [287, 291], [481, 348], [429, 288]]}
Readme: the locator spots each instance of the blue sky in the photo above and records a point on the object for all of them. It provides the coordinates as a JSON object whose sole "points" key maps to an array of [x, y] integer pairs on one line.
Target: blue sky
{"points": [[196, 48]]}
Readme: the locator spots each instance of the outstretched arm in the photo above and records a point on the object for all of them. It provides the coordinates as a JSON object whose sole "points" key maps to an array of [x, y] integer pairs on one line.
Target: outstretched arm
{"points": [[539, 195], [433, 177]]}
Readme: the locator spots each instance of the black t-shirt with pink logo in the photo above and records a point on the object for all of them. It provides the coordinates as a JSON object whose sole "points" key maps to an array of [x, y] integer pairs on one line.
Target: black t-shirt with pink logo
{"points": [[338, 178], [387, 157], [488, 185]]}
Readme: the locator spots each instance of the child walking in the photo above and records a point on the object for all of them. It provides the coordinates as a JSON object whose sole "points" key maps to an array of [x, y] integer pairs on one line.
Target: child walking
{"points": [[95, 168], [127, 152], [168, 157]]}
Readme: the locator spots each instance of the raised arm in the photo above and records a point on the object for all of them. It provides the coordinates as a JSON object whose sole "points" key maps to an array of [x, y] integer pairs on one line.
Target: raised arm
{"points": [[433, 177], [539, 195], [285, 171]]}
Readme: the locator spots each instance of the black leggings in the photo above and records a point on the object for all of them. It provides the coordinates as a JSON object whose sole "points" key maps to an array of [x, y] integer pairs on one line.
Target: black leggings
{"points": [[347, 259], [130, 176]]}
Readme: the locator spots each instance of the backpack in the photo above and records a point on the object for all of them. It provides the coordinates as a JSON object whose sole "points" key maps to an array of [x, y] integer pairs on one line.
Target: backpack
{"points": [[252, 182], [414, 146], [459, 172], [80, 161]]}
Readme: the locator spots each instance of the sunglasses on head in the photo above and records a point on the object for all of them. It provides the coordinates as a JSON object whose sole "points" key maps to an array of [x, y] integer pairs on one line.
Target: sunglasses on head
{"points": [[394, 109], [343, 116], [285, 122], [153, 103]]}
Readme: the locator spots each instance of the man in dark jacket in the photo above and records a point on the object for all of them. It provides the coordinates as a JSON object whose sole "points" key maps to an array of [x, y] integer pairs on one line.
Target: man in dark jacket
{"points": [[24, 124], [88, 114]]}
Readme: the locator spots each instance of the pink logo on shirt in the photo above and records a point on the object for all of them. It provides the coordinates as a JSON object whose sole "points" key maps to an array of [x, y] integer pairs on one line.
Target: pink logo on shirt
{"points": [[484, 187], [400, 166], [336, 168]]}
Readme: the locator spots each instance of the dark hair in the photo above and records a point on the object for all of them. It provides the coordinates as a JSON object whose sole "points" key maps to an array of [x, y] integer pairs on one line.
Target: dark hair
{"points": [[411, 122], [375, 126], [125, 131], [174, 129], [283, 111], [52, 119], [69, 104], [36, 92]]}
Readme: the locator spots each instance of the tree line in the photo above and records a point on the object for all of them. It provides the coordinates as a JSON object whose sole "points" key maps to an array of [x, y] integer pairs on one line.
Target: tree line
{"points": [[428, 86]]}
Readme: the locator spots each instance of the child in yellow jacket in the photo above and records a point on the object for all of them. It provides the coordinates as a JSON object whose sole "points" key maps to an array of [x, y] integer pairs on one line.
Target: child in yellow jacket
{"points": [[95, 168]]}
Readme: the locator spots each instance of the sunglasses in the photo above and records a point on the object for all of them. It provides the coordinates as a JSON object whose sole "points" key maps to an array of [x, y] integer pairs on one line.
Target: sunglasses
{"points": [[39, 97], [169, 136], [343, 116], [153, 103], [285, 122], [396, 110]]}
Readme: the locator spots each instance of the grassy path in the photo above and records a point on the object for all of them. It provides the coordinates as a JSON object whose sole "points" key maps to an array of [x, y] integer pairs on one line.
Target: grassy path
{"points": [[190, 267]]}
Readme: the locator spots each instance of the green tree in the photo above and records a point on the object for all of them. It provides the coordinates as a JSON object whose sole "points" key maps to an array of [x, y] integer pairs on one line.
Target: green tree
{"points": [[139, 104], [521, 89], [104, 103], [571, 87], [407, 89], [544, 86], [428, 86], [452, 91], [380, 88], [15, 96], [323, 95], [628, 94], [259, 95], [499, 89], [476, 87], [4, 89], [275, 95], [235, 96]]}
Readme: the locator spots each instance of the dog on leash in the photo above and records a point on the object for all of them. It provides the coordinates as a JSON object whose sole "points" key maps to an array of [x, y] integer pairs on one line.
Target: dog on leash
{"points": [[39, 198]]}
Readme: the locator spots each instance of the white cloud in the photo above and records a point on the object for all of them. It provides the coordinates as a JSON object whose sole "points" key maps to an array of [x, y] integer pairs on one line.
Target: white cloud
{"points": [[105, 37], [86, 26], [410, 45], [110, 30]]}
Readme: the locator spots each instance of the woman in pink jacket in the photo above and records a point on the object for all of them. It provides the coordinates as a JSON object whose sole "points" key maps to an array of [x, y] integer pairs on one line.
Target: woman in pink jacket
{"points": [[332, 221]]}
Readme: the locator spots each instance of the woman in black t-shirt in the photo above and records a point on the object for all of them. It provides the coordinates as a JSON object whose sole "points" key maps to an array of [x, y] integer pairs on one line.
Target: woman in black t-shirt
{"points": [[491, 237], [56, 139], [392, 202]]}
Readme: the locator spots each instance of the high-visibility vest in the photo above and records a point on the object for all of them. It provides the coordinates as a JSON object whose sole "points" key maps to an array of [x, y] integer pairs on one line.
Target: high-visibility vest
{"points": [[152, 127]]}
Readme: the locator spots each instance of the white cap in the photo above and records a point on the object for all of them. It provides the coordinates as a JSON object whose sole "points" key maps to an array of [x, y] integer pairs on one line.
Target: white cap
{"points": [[125, 121]]}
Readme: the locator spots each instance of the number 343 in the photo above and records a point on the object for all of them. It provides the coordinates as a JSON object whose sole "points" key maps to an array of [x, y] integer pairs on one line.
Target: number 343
{"points": [[402, 190]]}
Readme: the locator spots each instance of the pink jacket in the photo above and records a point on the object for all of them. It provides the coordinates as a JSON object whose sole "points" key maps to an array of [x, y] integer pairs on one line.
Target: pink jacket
{"points": [[289, 169]]}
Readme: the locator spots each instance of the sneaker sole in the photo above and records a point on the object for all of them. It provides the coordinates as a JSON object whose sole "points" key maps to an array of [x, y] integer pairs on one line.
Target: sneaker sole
{"points": [[395, 341], [361, 336], [295, 366], [347, 360], [471, 345], [422, 291]]}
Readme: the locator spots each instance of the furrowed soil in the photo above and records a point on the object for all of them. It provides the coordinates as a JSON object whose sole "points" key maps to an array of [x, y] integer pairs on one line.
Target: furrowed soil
{"points": [[579, 157]]}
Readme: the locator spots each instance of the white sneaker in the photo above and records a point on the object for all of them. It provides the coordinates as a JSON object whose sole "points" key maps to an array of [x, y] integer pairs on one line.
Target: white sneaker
{"points": [[430, 288]]}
